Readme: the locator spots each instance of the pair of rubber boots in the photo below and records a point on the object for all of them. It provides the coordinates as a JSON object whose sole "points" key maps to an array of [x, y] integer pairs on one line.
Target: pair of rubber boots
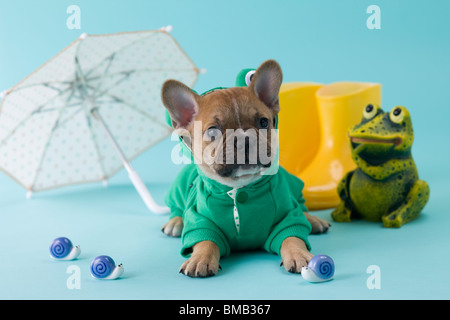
{"points": [[313, 142]]}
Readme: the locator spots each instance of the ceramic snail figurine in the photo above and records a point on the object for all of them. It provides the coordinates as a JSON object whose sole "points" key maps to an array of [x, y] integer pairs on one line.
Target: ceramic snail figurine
{"points": [[62, 249], [104, 267], [385, 186], [320, 269]]}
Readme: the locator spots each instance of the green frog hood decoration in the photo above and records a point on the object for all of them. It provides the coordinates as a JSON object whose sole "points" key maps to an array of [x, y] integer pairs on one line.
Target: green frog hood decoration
{"points": [[385, 186]]}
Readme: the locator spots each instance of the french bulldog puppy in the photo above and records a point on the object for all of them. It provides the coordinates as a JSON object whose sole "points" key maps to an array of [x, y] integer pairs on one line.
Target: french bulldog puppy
{"points": [[227, 200]]}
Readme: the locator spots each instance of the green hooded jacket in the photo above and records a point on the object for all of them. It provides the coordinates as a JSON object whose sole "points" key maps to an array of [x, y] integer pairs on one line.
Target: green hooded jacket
{"points": [[258, 216]]}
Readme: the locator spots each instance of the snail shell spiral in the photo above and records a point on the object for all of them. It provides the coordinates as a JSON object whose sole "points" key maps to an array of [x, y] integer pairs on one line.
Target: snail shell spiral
{"points": [[102, 266], [322, 265], [320, 268], [62, 249]]}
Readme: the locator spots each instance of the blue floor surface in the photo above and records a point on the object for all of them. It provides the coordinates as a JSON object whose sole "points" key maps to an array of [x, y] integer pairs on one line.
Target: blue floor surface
{"points": [[113, 220], [318, 41]]}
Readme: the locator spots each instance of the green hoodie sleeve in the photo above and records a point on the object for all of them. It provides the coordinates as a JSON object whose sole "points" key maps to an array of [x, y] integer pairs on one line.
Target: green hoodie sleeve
{"points": [[198, 227], [176, 197], [294, 224], [292, 221]]}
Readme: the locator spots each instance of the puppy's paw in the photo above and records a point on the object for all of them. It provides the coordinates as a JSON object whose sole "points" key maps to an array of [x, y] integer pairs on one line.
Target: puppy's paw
{"points": [[318, 225], [204, 261], [173, 227], [294, 254], [294, 262], [200, 267]]}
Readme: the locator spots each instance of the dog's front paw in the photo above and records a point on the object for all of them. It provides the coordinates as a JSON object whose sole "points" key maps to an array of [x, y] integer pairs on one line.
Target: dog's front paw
{"points": [[317, 225], [294, 255], [200, 267], [173, 227], [204, 261]]}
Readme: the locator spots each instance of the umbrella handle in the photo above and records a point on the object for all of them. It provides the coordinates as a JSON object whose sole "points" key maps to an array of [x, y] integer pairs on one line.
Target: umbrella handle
{"points": [[145, 194], [134, 177]]}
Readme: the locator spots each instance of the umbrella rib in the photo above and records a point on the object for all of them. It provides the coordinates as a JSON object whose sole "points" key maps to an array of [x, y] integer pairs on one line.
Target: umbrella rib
{"points": [[80, 77], [77, 89], [110, 59], [65, 107], [55, 125], [151, 34], [105, 72], [126, 73], [112, 56], [67, 82], [145, 114], [96, 147], [70, 117], [72, 105], [54, 128], [118, 100], [45, 84], [99, 94], [28, 117]]}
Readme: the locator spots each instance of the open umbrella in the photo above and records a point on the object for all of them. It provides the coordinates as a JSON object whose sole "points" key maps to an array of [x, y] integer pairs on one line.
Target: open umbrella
{"points": [[90, 110]]}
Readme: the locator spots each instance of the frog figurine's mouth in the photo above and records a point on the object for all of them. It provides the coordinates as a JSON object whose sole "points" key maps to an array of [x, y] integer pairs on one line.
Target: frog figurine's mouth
{"points": [[356, 141]]}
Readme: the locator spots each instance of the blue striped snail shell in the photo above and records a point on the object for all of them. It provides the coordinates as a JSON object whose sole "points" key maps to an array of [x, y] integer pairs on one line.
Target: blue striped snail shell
{"points": [[62, 249], [102, 266], [322, 265]]}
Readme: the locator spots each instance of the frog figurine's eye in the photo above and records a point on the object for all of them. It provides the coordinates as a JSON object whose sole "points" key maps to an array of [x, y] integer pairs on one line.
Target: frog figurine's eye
{"points": [[397, 115], [369, 111], [249, 77]]}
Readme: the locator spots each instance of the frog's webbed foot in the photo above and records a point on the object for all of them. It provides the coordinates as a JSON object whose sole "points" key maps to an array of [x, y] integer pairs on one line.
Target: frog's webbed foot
{"points": [[343, 212], [410, 208]]}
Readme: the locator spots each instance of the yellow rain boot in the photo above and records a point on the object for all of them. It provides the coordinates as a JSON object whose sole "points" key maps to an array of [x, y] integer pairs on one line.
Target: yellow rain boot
{"points": [[325, 143], [300, 134]]}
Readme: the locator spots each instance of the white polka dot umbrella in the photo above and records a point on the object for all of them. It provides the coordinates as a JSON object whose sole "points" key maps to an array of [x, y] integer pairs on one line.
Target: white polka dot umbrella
{"points": [[91, 109]]}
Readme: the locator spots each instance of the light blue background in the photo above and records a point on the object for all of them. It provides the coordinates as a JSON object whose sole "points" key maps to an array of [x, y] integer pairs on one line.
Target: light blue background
{"points": [[321, 41]]}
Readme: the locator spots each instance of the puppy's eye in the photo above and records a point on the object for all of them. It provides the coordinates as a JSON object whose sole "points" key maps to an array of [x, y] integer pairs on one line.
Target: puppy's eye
{"points": [[263, 123], [213, 133]]}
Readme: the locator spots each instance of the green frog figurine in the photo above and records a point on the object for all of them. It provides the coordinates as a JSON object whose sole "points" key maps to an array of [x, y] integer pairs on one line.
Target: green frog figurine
{"points": [[385, 186]]}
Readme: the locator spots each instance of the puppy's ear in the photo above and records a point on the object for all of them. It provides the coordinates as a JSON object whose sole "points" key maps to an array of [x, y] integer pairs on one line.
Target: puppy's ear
{"points": [[180, 101], [266, 83]]}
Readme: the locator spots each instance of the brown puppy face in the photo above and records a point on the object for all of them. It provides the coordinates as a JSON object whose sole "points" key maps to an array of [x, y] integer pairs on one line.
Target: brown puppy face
{"points": [[230, 131]]}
